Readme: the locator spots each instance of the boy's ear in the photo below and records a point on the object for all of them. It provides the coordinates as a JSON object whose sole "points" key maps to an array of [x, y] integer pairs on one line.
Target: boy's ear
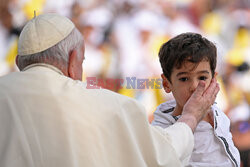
{"points": [[165, 83], [215, 74]]}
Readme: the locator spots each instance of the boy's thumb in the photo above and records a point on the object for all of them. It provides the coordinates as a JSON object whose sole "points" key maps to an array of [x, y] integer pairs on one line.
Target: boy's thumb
{"points": [[200, 89]]}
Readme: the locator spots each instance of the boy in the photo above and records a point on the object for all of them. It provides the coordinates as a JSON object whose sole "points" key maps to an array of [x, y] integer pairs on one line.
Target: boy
{"points": [[185, 60]]}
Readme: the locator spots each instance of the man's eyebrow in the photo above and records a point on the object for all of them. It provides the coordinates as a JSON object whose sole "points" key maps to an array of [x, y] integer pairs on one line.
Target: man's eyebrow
{"points": [[200, 72]]}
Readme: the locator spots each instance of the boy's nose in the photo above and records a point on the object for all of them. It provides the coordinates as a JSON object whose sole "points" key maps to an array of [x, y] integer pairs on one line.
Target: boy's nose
{"points": [[193, 85]]}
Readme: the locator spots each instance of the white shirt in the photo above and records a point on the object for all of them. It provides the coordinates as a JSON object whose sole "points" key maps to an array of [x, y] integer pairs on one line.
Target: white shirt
{"points": [[213, 146]]}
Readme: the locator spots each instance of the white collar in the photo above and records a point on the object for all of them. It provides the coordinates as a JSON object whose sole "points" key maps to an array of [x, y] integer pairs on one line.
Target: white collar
{"points": [[43, 65]]}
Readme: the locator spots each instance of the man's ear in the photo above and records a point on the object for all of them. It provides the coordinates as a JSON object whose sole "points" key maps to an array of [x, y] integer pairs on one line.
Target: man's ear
{"points": [[17, 63], [17, 60], [165, 83], [72, 64]]}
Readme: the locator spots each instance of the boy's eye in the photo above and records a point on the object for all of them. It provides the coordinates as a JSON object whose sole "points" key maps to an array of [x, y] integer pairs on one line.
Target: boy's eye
{"points": [[183, 79], [203, 78]]}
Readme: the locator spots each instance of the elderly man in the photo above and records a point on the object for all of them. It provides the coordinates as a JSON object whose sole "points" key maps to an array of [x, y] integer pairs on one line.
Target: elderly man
{"points": [[48, 117]]}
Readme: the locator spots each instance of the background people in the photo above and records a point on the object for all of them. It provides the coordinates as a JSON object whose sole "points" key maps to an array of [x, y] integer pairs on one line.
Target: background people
{"points": [[224, 22]]}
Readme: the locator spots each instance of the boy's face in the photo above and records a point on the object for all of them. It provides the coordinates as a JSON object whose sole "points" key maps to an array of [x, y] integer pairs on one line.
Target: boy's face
{"points": [[185, 80]]}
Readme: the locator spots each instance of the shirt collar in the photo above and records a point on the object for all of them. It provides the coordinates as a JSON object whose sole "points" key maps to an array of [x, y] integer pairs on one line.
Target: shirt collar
{"points": [[43, 65]]}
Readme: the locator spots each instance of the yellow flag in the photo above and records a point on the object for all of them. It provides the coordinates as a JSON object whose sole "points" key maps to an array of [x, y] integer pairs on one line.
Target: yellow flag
{"points": [[33, 5]]}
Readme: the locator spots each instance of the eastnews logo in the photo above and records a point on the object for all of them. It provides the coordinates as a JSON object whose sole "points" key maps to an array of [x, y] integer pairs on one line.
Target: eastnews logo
{"points": [[127, 83]]}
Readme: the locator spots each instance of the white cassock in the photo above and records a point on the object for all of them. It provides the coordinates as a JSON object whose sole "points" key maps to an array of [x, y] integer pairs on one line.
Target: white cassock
{"points": [[50, 120]]}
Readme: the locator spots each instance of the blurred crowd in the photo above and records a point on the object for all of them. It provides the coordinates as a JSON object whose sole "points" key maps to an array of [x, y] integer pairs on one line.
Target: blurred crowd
{"points": [[122, 39]]}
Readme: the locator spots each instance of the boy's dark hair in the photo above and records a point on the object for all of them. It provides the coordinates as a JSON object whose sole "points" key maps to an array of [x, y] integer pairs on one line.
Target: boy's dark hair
{"points": [[190, 47]]}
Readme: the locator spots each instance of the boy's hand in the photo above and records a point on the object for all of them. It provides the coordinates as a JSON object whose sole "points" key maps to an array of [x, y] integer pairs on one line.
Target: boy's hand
{"points": [[199, 104]]}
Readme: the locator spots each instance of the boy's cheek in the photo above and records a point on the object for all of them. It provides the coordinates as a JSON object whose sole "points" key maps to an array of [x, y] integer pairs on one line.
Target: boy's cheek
{"points": [[184, 98]]}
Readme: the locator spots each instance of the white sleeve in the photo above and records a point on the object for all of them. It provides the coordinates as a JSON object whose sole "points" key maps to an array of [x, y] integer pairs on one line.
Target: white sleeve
{"points": [[181, 138]]}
